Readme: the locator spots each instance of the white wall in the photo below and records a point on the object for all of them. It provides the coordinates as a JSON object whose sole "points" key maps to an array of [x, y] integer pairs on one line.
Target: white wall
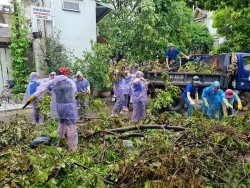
{"points": [[212, 30], [77, 28]]}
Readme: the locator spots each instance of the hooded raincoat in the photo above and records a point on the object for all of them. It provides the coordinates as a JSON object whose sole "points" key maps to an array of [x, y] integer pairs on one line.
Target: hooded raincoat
{"points": [[214, 99], [138, 100], [82, 87], [32, 87], [63, 91]]}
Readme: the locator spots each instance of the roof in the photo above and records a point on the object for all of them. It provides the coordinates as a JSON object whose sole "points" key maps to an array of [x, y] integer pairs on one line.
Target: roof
{"points": [[4, 34], [102, 9], [199, 14]]}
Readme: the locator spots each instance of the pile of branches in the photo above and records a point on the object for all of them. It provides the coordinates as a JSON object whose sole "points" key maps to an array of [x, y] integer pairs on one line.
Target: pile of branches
{"points": [[200, 67], [170, 151]]}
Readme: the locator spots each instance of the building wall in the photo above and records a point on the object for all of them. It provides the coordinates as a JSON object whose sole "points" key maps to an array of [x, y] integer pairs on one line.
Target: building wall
{"points": [[77, 28], [213, 31]]}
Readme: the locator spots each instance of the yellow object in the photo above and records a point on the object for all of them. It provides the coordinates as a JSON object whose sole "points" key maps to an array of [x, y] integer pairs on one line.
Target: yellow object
{"points": [[88, 91], [206, 103], [192, 102], [240, 106], [225, 115], [30, 100]]}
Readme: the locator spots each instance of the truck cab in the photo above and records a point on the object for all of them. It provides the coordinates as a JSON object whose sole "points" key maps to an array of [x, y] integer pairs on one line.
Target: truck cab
{"points": [[241, 80]]}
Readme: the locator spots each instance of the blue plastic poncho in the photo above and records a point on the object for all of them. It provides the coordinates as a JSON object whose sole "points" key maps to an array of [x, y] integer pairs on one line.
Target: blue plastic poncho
{"points": [[119, 90], [139, 105], [63, 95], [31, 89], [83, 84], [214, 99]]}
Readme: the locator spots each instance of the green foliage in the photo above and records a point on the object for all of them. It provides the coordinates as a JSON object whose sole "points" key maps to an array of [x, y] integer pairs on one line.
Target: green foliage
{"points": [[139, 39], [208, 154], [19, 48], [95, 66], [214, 5], [164, 98], [233, 25], [44, 105], [202, 40], [200, 67], [54, 54]]}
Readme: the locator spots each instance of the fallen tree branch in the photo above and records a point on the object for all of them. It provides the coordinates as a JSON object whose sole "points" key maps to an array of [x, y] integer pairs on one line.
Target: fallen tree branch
{"points": [[122, 136], [131, 128]]}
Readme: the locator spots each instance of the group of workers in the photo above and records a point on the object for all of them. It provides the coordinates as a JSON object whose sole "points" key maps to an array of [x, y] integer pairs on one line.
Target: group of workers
{"points": [[215, 100], [63, 91], [133, 87], [65, 106]]}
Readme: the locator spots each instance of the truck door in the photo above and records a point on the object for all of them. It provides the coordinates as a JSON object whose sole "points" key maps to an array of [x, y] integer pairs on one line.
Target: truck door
{"points": [[243, 77]]}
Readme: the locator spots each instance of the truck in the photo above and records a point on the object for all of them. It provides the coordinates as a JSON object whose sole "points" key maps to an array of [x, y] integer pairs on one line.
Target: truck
{"points": [[233, 73]]}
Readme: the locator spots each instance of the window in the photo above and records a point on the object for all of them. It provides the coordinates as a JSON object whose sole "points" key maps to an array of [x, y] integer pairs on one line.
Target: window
{"points": [[246, 62], [73, 6]]}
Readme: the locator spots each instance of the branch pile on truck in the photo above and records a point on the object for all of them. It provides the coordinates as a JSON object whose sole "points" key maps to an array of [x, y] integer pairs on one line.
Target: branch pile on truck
{"points": [[232, 71]]}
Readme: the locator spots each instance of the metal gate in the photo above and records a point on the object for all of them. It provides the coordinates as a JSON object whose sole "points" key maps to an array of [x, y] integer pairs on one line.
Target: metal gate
{"points": [[5, 67]]}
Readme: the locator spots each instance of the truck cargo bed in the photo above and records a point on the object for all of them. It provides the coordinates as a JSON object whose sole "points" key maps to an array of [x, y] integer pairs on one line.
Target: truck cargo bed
{"points": [[182, 79]]}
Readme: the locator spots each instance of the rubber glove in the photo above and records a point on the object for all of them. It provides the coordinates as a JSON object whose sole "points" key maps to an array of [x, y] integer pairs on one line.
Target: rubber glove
{"points": [[227, 104], [88, 91], [225, 114], [192, 102], [240, 106], [206, 103], [30, 100]]}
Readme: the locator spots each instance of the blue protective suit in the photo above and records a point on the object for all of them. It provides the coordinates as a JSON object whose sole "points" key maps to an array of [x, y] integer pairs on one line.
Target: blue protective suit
{"points": [[214, 100]]}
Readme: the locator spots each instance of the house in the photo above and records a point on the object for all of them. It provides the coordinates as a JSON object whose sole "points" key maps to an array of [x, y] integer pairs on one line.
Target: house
{"points": [[75, 19], [205, 17], [5, 58]]}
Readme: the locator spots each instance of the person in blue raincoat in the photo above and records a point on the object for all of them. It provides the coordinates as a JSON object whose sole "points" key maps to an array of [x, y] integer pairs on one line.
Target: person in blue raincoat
{"points": [[190, 93], [212, 97], [83, 87], [32, 87]]}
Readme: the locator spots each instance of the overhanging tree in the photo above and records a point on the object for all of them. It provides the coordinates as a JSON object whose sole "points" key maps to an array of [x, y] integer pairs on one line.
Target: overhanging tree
{"points": [[140, 30]]}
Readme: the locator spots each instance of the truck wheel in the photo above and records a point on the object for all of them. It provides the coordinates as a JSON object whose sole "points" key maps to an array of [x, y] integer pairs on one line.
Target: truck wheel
{"points": [[177, 105], [245, 99]]}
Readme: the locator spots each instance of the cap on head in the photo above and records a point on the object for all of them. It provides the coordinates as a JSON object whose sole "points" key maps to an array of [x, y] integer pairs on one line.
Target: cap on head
{"points": [[196, 79], [63, 71], [170, 45], [229, 93]]}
